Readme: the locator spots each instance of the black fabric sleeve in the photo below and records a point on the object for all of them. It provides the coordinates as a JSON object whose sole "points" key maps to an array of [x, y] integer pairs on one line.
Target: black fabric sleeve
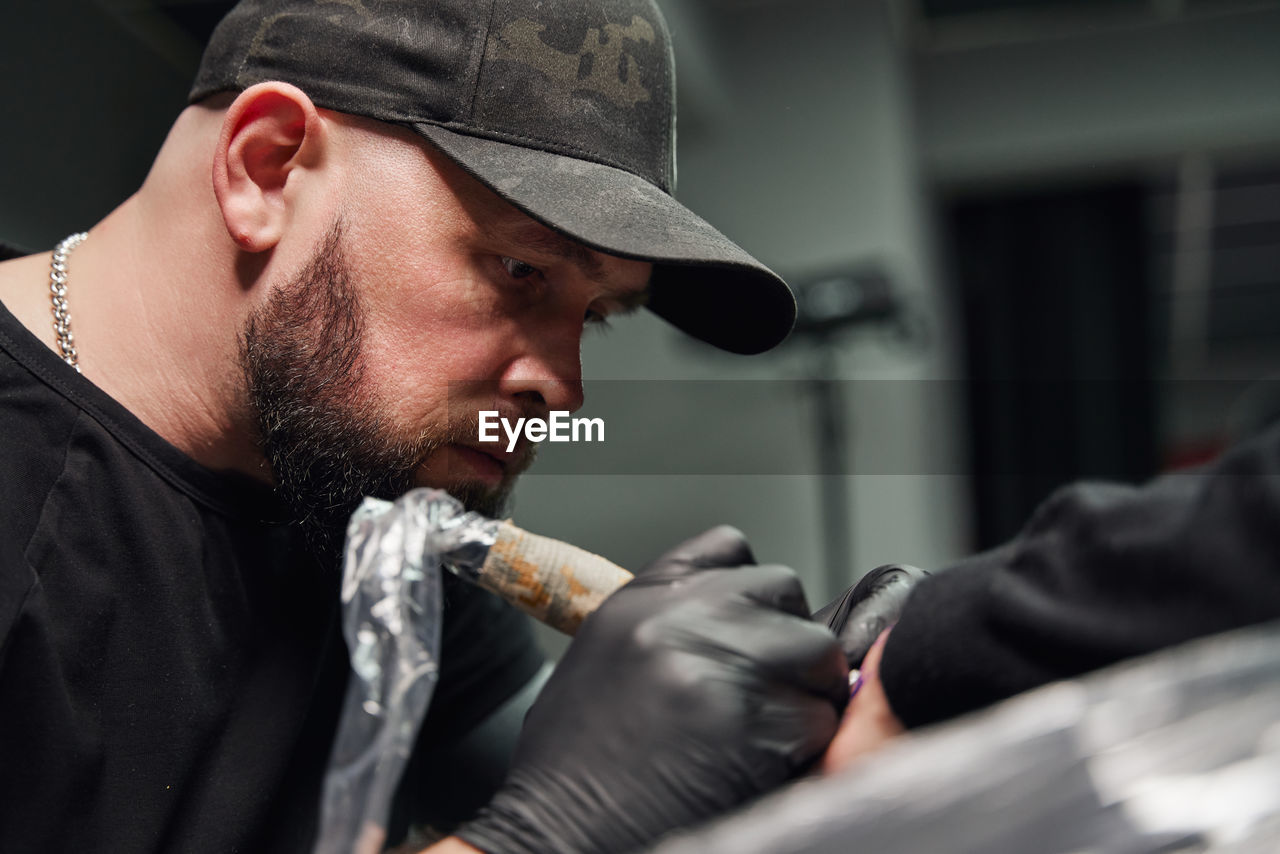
{"points": [[1100, 573]]}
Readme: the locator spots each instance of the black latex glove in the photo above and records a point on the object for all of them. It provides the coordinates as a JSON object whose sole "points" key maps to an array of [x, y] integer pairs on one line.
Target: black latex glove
{"points": [[692, 689], [866, 609]]}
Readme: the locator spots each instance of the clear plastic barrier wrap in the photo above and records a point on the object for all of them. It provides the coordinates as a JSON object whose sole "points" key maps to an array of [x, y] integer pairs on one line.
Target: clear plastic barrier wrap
{"points": [[391, 601]]}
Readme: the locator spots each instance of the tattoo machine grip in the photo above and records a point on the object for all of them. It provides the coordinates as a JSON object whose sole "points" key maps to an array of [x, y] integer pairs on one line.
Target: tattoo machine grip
{"points": [[551, 581]]}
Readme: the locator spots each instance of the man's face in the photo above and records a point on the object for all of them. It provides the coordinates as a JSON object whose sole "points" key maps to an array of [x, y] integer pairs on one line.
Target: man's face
{"points": [[428, 300]]}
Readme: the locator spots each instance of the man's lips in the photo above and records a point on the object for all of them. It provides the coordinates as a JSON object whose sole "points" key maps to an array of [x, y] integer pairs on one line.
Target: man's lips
{"points": [[491, 461], [466, 459], [490, 466]]}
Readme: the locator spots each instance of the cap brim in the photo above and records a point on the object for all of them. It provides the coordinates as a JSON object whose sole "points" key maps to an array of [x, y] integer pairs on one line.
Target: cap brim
{"points": [[703, 283]]}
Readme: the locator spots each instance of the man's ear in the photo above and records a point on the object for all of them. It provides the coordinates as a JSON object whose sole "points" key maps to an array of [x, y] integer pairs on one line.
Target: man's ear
{"points": [[270, 130]]}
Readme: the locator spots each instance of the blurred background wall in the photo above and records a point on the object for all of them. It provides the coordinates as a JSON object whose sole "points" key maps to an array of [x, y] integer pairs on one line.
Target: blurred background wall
{"points": [[1033, 241]]}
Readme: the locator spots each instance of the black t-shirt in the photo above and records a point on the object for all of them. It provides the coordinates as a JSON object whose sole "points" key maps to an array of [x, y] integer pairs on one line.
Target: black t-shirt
{"points": [[1101, 572], [171, 662]]}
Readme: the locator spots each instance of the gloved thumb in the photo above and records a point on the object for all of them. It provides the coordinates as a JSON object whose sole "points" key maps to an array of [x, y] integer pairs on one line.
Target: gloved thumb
{"points": [[721, 546]]}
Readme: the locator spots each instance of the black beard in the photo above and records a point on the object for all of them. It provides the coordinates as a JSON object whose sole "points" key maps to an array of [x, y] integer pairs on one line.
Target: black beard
{"points": [[325, 436]]}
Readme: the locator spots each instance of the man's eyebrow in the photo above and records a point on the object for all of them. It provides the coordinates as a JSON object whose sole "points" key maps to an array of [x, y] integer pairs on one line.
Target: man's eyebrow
{"points": [[543, 240], [633, 300]]}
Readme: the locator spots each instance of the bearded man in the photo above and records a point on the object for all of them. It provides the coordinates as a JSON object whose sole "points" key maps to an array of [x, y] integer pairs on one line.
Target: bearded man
{"points": [[374, 221]]}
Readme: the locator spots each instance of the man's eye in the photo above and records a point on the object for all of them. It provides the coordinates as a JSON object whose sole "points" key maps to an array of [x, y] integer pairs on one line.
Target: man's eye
{"points": [[518, 269]]}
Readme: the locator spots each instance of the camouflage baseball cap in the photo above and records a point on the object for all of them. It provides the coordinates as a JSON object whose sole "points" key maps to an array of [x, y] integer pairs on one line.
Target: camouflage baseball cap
{"points": [[566, 108]]}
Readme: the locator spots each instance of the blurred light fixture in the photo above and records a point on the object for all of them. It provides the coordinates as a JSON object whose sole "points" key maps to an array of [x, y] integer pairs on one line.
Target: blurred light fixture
{"points": [[842, 300]]}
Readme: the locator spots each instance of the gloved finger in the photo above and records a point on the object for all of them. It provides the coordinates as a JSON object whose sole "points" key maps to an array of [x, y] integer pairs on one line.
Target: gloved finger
{"points": [[809, 723], [770, 647], [771, 585], [798, 726], [862, 612], [721, 546]]}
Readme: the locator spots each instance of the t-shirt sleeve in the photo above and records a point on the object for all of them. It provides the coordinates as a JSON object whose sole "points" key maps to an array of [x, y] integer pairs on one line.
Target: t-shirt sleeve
{"points": [[1101, 572]]}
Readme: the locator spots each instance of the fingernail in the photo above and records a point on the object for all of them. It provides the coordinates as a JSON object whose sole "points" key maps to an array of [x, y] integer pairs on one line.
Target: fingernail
{"points": [[855, 682]]}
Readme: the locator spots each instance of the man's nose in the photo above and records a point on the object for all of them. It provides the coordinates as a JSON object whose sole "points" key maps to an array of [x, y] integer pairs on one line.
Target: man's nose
{"points": [[548, 375]]}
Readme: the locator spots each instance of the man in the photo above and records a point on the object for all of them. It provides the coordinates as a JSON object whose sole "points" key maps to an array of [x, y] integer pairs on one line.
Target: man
{"points": [[375, 220]]}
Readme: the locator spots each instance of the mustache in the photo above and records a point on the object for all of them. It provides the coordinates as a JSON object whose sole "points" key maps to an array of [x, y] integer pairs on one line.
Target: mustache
{"points": [[463, 428]]}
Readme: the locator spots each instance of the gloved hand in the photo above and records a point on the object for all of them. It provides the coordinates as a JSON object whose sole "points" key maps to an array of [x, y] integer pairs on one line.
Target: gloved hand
{"points": [[866, 609], [694, 688]]}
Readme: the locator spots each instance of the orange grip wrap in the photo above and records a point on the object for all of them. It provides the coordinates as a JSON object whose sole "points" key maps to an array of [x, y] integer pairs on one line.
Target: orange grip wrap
{"points": [[553, 582]]}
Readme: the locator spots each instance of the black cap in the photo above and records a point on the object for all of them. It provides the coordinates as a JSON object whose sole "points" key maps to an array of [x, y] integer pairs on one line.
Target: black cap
{"points": [[565, 108]]}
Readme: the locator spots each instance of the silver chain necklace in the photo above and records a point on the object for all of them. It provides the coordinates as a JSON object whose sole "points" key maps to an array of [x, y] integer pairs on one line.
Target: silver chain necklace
{"points": [[58, 288]]}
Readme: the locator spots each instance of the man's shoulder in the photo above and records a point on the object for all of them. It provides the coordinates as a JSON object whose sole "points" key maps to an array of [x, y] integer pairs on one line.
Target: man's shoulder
{"points": [[36, 424], [30, 459], [9, 251]]}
